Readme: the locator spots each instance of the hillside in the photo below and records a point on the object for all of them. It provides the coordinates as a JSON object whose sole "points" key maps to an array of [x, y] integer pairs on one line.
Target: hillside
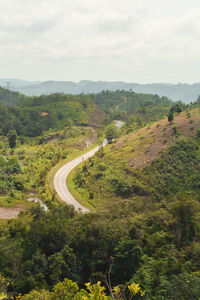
{"points": [[128, 104], [30, 116], [8, 97], [125, 169], [33, 115], [180, 91], [143, 146]]}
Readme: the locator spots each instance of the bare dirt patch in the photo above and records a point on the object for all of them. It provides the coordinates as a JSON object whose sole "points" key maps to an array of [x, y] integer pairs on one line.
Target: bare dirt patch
{"points": [[44, 113], [11, 212]]}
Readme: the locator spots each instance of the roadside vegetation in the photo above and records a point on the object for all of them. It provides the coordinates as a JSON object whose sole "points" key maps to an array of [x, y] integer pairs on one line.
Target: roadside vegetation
{"points": [[24, 170]]}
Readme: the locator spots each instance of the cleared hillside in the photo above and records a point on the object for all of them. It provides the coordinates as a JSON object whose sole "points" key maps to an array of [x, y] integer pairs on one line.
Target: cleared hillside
{"points": [[143, 146], [143, 165]]}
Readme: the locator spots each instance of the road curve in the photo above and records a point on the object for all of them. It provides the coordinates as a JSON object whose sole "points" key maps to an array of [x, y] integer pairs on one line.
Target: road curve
{"points": [[61, 175]]}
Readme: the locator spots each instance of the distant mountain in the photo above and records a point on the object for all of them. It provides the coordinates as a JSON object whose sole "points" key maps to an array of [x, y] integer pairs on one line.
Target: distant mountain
{"points": [[15, 84], [184, 92]]}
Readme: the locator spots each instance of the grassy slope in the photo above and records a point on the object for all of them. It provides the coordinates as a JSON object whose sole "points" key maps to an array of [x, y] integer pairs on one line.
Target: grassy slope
{"points": [[143, 146], [124, 173]]}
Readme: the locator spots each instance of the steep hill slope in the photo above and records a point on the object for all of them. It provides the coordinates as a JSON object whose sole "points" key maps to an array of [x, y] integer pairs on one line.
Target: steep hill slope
{"points": [[155, 162]]}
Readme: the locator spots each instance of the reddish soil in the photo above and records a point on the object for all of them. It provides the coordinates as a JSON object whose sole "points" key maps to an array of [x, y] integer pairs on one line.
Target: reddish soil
{"points": [[10, 212], [44, 113], [154, 149], [144, 152]]}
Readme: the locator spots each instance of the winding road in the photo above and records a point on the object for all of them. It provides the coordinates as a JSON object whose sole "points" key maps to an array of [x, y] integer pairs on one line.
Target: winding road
{"points": [[61, 175]]}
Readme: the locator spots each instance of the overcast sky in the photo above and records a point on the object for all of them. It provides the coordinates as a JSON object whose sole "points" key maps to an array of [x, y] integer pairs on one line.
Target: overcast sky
{"points": [[130, 40]]}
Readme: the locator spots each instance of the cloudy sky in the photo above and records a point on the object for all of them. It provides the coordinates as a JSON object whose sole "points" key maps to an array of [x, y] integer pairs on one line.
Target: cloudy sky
{"points": [[130, 40]]}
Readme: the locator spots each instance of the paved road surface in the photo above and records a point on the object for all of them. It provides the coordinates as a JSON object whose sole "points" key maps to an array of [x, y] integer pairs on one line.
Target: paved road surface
{"points": [[61, 176]]}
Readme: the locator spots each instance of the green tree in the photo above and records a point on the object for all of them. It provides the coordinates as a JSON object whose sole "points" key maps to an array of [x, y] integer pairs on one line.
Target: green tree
{"points": [[37, 295], [12, 137], [184, 212], [127, 258], [184, 287], [175, 131], [178, 108], [111, 133], [63, 265], [66, 290], [198, 133], [170, 117]]}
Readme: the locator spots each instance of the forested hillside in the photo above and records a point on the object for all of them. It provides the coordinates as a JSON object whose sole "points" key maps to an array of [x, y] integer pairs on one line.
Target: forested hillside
{"points": [[150, 180], [122, 104], [35, 115], [11, 98], [30, 116]]}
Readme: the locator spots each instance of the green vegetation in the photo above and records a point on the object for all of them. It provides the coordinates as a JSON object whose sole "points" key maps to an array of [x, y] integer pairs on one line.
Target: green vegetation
{"points": [[68, 290], [25, 170], [142, 238], [170, 117], [156, 245], [12, 136], [125, 105], [111, 178], [111, 133], [113, 175], [11, 98], [37, 114]]}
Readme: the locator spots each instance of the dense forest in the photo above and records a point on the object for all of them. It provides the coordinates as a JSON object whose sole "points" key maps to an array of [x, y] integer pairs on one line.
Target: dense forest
{"points": [[123, 104], [141, 237], [34, 115]]}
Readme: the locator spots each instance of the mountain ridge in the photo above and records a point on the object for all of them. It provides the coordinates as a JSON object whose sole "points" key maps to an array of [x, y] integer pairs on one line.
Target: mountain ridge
{"points": [[175, 91]]}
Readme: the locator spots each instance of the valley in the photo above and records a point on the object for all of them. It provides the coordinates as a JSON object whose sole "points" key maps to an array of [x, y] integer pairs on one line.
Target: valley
{"points": [[99, 150]]}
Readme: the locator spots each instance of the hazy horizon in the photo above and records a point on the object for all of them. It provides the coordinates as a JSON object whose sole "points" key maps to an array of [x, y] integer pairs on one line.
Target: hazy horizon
{"points": [[98, 80]]}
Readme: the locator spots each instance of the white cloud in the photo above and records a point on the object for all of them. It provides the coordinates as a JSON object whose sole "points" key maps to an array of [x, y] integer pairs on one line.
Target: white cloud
{"points": [[140, 40]]}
